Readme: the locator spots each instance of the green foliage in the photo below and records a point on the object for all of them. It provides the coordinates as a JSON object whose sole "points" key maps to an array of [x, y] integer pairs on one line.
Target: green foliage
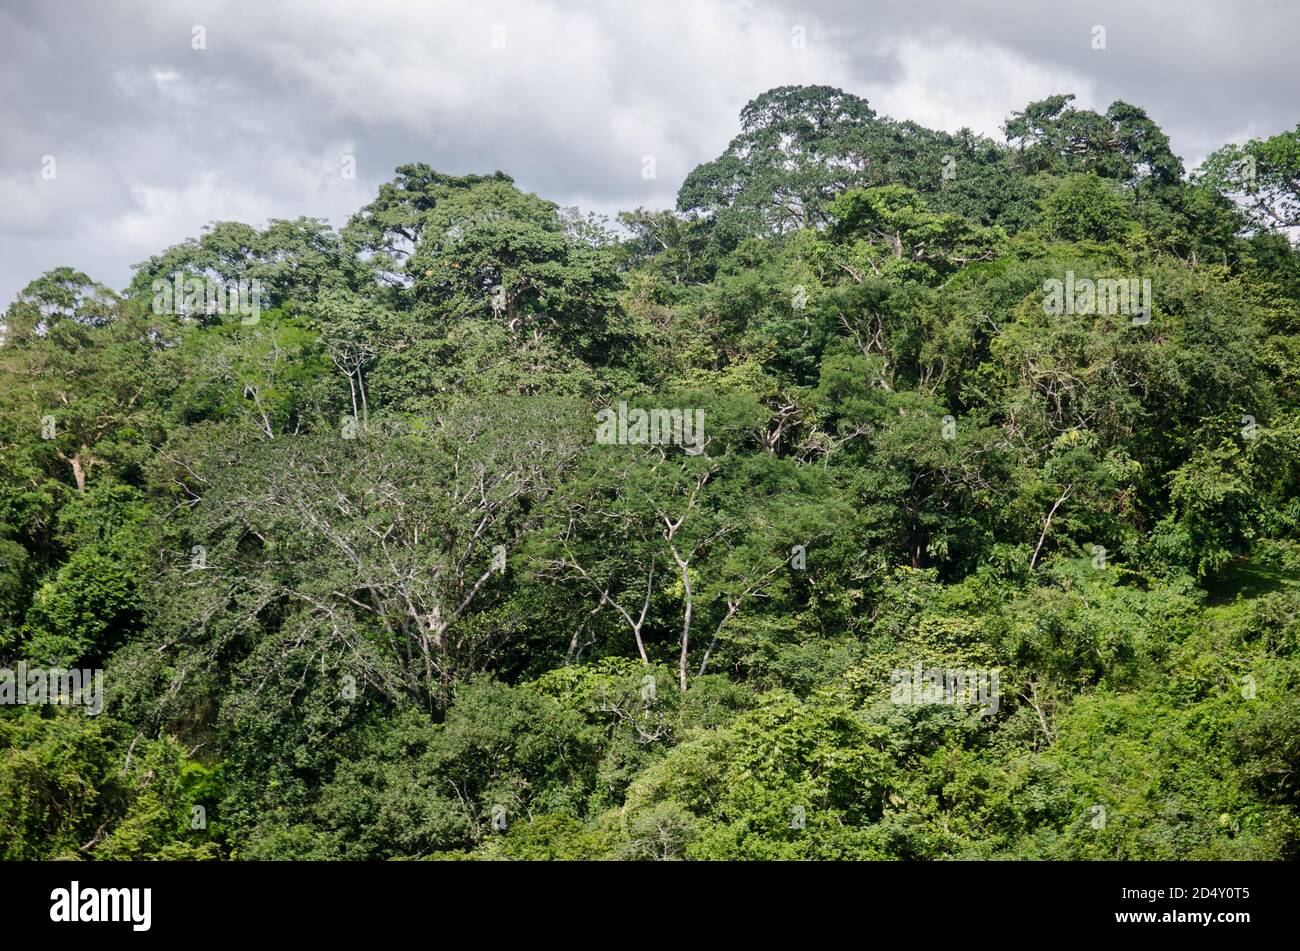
{"points": [[73, 786], [1264, 175], [374, 576], [1083, 208]]}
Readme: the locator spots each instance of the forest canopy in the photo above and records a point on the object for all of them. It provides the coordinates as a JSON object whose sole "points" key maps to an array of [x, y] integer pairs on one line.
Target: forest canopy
{"points": [[900, 494]]}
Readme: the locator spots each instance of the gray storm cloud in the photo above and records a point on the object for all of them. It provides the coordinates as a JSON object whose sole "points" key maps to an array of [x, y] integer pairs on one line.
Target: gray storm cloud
{"points": [[153, 138]]}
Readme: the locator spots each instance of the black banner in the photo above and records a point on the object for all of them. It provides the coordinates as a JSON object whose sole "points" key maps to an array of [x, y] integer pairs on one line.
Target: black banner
{"points": [[1220, 902]]}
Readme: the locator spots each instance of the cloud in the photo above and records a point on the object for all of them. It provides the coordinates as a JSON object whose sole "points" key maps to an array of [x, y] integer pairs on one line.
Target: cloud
{"points": [[154, 138], [951, 84]]}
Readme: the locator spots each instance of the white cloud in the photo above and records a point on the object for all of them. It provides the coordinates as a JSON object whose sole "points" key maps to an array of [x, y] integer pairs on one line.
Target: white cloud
{"points": [[948, 85], [155, 139]]}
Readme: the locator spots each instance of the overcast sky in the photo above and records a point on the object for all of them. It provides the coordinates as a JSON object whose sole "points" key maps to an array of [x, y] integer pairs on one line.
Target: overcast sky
{"points": [[152, 138]]}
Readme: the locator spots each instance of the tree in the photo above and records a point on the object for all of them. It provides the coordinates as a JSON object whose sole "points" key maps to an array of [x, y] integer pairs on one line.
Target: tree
{"points": [[798, 146], [79, 370], [1263, 175], [284, 263], [369, 548], [1085, 208]]}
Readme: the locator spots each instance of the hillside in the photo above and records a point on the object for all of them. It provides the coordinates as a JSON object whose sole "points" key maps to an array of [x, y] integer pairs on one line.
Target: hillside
{"points": [[898, 495]]}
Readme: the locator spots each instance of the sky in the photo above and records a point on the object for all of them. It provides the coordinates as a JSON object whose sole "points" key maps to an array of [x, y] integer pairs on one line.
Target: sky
{"points": [[126, 126]]}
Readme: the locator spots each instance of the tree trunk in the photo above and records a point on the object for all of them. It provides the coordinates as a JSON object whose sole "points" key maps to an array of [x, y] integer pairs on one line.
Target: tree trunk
{"points": [[686, 622], [78, 471]]}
